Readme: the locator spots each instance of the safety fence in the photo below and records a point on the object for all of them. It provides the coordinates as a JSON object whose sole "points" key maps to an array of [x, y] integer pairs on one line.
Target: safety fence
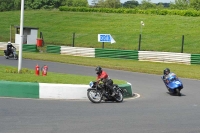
{"points": [[25, 47], [114, 53], [53, 49], [29, 48], [152, 56], [166, 57], [195, 59], [77, 51]]}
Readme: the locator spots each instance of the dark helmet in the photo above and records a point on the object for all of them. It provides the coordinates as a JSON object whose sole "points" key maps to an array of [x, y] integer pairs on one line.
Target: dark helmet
{"points": [[98, 70], [166, 70]]}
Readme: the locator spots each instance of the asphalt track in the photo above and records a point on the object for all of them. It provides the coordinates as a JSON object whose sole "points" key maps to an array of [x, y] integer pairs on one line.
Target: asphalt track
{"points": [[155, 111]]}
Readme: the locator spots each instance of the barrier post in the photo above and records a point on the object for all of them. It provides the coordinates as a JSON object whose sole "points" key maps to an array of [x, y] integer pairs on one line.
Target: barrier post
{"points": [[182, 44], [140, 36]]}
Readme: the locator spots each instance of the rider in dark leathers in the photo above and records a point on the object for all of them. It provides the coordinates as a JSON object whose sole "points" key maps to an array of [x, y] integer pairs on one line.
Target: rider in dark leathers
{"points": [[9, 48], [103, 76]]}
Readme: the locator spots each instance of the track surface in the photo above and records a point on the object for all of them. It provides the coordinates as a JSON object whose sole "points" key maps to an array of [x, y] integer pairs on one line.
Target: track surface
{"points": [[154, 112]]}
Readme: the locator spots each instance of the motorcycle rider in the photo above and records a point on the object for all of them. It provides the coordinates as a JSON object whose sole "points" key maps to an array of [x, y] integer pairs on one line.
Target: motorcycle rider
{"points": [[9, 48], [166, 73], [103, 76]]}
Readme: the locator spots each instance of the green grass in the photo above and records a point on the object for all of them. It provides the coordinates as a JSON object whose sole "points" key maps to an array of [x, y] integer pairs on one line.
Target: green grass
{"points": [[160, 33], [9, 73], [185, 71]]}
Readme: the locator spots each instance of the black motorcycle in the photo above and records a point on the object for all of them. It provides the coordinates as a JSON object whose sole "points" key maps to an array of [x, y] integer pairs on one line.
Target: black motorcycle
{"points": [[13, 54], [98, 92]]}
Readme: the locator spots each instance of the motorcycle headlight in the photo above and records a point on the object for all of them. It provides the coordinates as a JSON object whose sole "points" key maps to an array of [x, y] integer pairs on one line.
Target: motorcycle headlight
{"points": [[91, 84]]}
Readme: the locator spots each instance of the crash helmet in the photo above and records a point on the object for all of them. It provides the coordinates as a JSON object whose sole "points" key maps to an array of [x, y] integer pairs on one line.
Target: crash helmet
{"points": [[98, 70], [166, 70], [9, 43]]}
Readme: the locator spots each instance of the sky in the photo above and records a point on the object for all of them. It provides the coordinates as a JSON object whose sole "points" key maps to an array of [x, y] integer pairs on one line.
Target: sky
{"points": [[153, 1]]}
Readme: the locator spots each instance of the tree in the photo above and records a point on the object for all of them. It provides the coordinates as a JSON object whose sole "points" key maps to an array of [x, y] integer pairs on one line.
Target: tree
{"points": [[101, 3], [112, 3], [195, 4], [180, 4], [80, 3], [146, 4], [131, 4]]}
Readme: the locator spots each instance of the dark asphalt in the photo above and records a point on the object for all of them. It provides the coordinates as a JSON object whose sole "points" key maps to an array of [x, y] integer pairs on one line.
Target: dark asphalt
{"points": [[154, 112]]}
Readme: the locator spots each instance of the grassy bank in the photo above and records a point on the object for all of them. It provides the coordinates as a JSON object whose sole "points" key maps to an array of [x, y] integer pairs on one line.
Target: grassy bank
{"points": [[160, 33], [10, 74], [186, 71]]}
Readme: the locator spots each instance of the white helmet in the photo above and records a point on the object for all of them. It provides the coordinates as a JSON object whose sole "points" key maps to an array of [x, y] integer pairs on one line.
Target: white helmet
{"points": [[9, 43]]}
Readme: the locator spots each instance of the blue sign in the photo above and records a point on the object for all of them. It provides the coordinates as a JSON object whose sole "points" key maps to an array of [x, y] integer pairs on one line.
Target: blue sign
{"points": [[105, 38]]}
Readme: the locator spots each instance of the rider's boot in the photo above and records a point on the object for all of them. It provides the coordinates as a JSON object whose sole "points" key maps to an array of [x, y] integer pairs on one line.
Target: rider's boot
{"points": [[113, 91]]}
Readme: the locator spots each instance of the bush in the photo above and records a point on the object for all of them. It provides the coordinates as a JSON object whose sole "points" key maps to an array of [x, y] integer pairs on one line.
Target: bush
{"points": [[192, 13]]}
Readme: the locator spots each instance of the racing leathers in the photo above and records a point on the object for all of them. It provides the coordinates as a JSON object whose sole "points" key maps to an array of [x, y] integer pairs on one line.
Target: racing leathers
{"points": [[103, 76]]}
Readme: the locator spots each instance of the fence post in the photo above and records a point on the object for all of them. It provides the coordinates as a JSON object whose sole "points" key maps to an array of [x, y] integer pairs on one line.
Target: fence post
{"points": [[140, 36], [182, 43], [73, 39], [103, 45]]}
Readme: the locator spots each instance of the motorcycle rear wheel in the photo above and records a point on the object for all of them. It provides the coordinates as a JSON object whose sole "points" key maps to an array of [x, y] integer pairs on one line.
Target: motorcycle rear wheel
{"points": [[94, 96], [16, 57], [178, 92]]}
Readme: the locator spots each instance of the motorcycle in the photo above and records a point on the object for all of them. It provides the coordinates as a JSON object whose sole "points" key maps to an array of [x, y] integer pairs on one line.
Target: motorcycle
{"points": [[98, 92], [174, 85], [13, 54]]}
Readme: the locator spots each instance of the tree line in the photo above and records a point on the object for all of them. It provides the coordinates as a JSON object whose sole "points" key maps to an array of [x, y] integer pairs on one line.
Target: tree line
{"points": [[8, 5]]}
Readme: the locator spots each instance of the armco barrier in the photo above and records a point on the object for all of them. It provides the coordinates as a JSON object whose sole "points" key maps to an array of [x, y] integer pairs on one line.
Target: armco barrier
{"points": [[25, 47], [29, 47], [195, 58], [53, 49], [49, 91], [77, 51], [19, 89], [167, 57], [114, 53]]}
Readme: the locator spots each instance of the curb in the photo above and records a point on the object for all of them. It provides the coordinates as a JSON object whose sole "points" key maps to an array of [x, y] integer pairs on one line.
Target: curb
{"points": [[50, 90]]}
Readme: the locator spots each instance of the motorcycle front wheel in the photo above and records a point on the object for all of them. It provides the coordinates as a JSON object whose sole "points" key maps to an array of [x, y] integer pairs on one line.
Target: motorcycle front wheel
{"points": [[119, 97], [94, 96]]}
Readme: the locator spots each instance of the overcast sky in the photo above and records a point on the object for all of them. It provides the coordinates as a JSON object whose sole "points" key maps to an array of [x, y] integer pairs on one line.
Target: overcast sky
{"points": [[154, 1]]}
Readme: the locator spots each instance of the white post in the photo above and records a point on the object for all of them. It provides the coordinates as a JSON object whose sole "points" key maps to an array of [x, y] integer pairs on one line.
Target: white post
{"points": [[21, 35]]}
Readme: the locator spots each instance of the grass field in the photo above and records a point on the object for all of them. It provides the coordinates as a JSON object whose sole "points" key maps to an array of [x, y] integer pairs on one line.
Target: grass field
{"points": [[160, 33], [10, 74], [185, 71]]}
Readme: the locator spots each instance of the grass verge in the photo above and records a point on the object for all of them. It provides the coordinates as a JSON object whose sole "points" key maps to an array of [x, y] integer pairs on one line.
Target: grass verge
{"points": [[184, 71], [160, 33], [9, 73]]}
